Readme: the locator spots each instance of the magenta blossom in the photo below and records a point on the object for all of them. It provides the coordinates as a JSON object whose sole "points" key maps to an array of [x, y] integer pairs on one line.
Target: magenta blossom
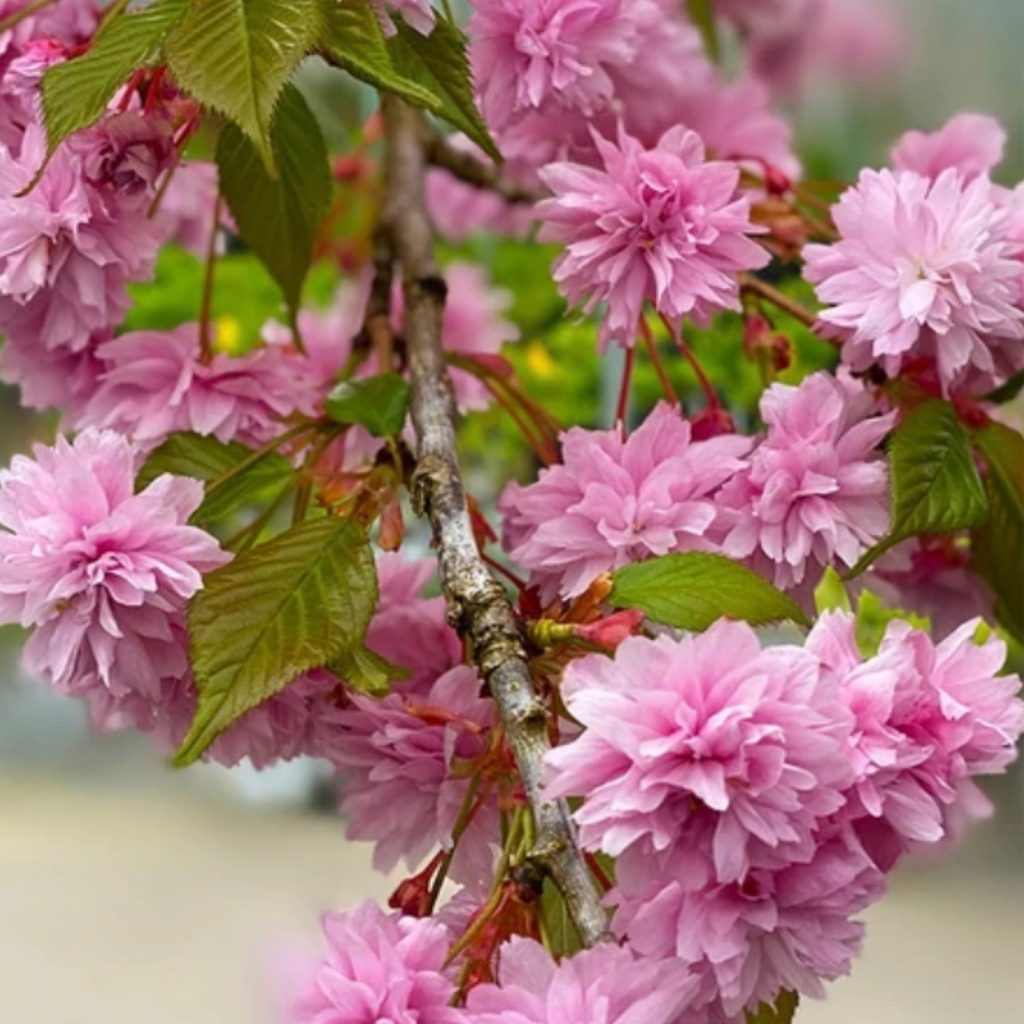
{"points": [[379, 969], [708, 743], [155, 383], [101, 572], [605, 985], [922, 270], [970, 143], [615, 499], [660, 225], [400, 756], [816, 488], [746, 942], [928, 718]]}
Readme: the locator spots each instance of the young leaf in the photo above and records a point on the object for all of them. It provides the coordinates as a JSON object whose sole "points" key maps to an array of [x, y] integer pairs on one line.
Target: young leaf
{"points": [[77, 92], [217, 465], [997, 545], [782, 1012], [236, 56], [352, 38], [934, 483], [378, 403], [438, 62], [366, 671], [694, 589], [276, 611], [562, 937], [873, 618], [830, 594], [279, 218]]}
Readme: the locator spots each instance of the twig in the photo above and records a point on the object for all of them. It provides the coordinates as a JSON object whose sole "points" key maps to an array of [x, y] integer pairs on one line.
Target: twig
{"points": [[750, 283], [477, 603], [206, 308], [474, 171]]}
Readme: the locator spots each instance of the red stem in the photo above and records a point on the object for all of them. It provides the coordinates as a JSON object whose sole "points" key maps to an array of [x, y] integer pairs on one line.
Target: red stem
{"points": [[714, 402], [627, 380], [666, 385]]}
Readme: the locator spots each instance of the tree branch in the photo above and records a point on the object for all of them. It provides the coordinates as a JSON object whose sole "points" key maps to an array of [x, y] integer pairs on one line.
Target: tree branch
{"points": [[474, 171], [477, 603]]}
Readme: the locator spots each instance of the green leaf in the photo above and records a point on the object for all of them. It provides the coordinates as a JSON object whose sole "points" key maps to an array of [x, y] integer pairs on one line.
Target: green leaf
{"points": [[378, 403], [235, 56], [438, 62], [783, 1012], [560, 933], [997, 545], [352, 38], [873, 618], [830, 594], [694, 589], [934, 483], [77, 92], [702, 14], [279, 218], [276, 611], [366, 671], [228, 486], [1008, 391]]}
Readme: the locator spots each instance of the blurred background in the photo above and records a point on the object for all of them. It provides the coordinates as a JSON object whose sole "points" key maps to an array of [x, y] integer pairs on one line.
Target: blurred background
{"points": [[133, 894]]}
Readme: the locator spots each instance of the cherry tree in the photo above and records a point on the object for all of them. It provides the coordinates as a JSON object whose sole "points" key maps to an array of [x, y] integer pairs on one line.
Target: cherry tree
{"points": [[654, 746]]}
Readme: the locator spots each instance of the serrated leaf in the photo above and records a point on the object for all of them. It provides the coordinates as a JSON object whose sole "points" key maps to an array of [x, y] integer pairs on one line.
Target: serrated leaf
{"points": [[438, 62], [77, 92], [378, 403], [279, 218], [997, 545], [276, 611], [235, 56], [933, 481], [352, 38], [217, 465], [366, 671], [694, 589], [782, 1012]]}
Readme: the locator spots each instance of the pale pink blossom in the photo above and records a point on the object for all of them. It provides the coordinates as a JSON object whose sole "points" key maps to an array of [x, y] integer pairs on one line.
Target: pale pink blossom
{"points": [[972, 144], [419, 14], [615, 499], [746, 942], [816, 488], [459, 209], [102, 573], [530, 55], [156, 383], [68, 21], [378, 969], [708, 743], [400, 757], [923, 271], [660, 225], [928, 718], [604, 985], [185, 212]]}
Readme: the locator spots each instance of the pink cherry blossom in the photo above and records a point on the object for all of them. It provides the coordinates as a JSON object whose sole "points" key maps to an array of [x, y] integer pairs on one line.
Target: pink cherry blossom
{"points": [[928, 717], [922, 271], [616, 499], [605, 985], [419, 14], [156, 383], [746, 942], [399, 756], [378, 968], [660, 225], [185, 212], [816, 488], [532, 54], [972, 144], [101, 572], [66, 21], [708, 743]]}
